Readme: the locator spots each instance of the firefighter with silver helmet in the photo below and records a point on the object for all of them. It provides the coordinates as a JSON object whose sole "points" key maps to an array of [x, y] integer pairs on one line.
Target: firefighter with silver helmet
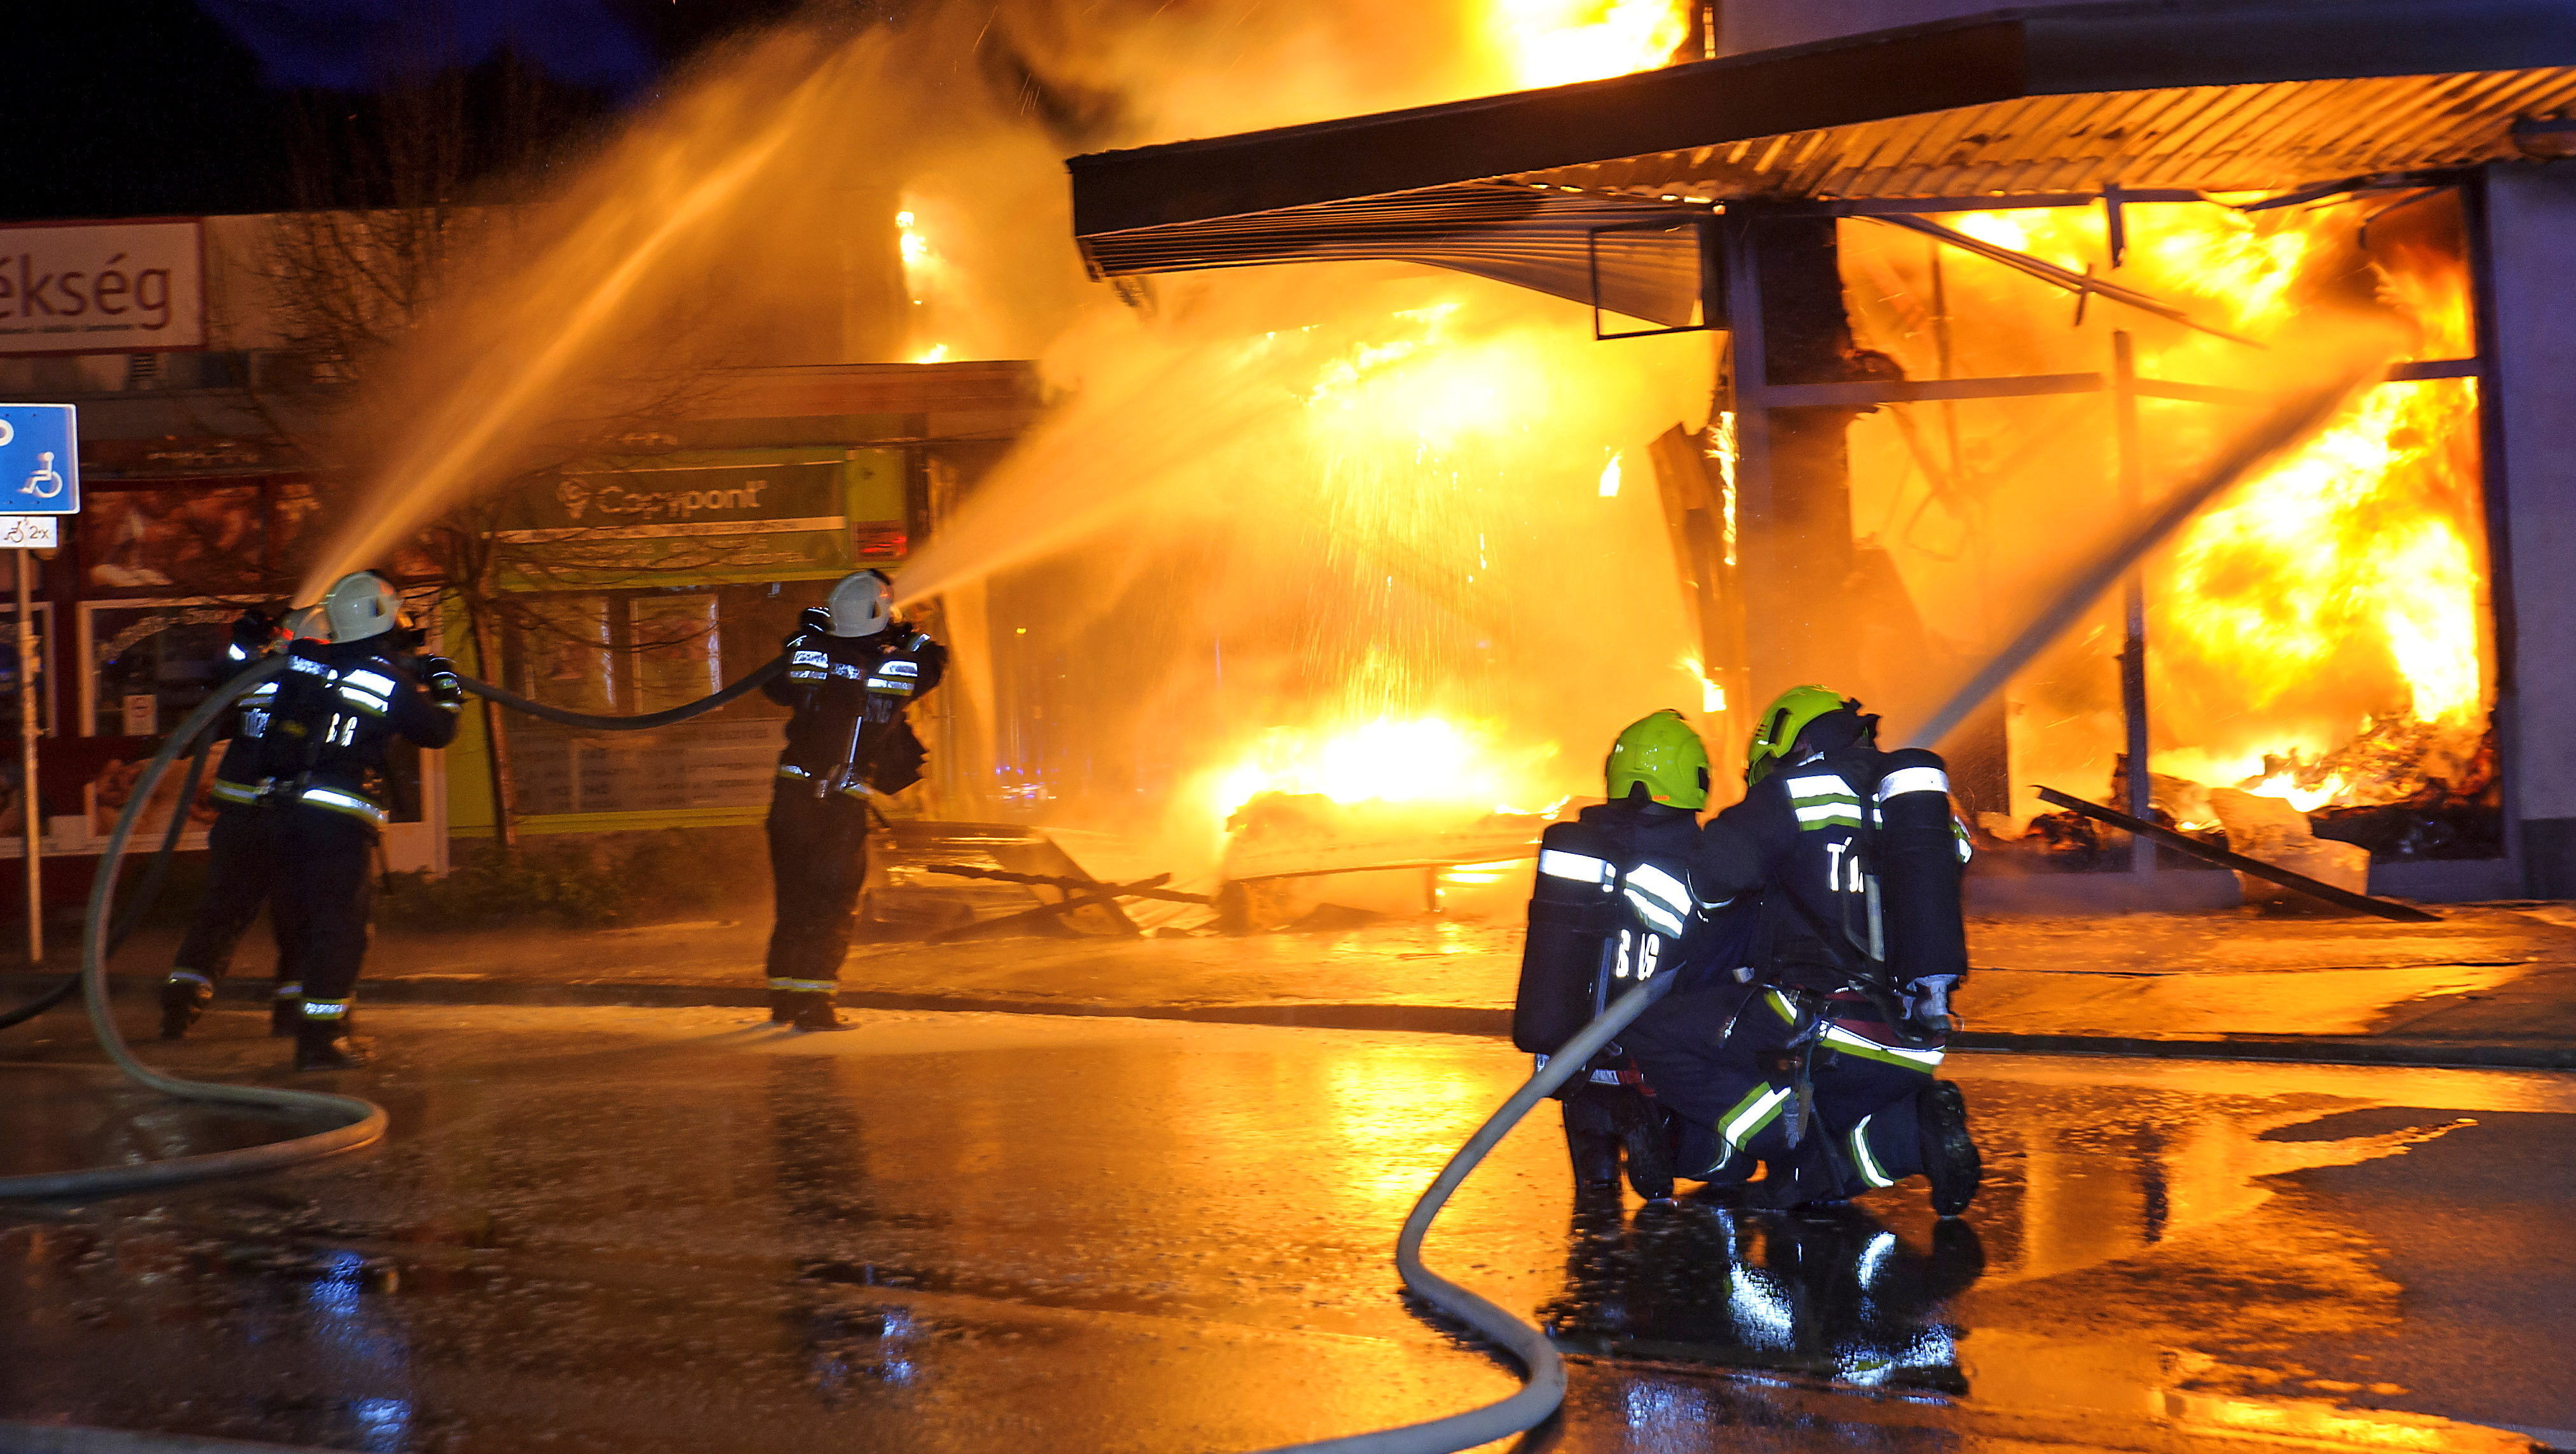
{"points": [[307, 773], [852, 669], [1806, 1025], [242, 871]]}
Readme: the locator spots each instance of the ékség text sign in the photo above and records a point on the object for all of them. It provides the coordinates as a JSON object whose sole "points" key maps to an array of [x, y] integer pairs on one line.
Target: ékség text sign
{"points": [[122, 287]]}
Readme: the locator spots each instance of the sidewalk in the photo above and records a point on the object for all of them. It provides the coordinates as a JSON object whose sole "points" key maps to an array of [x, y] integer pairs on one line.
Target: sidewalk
{"points": [[2489, 985]]}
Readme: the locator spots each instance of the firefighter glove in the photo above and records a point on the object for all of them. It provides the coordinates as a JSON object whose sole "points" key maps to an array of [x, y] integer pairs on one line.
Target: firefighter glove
{"points": [[251, 632], [446, 688]]}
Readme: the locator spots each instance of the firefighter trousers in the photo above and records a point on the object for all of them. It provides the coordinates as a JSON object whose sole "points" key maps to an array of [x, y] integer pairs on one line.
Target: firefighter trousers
{"points": [[1718, 1059], [243, 872], [326, 865], [818, 857]]}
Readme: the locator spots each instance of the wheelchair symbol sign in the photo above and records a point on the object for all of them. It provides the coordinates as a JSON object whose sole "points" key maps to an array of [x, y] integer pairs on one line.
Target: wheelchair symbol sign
{"points": [[39, 460]]}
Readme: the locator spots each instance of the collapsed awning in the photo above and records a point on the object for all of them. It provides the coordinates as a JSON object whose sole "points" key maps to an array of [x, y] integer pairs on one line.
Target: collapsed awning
{"points": [[2068, 100]]}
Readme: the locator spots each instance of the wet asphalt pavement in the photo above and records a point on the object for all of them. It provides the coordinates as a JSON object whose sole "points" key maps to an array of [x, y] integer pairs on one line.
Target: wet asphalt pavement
{"points": [[644, 1230]]}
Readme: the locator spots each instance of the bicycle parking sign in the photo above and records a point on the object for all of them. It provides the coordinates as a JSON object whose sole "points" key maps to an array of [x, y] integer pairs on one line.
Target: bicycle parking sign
{"points": [[39, 460]]}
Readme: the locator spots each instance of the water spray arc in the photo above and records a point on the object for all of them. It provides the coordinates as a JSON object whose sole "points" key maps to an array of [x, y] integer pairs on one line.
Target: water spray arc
{"points": [[1544, 1388]]}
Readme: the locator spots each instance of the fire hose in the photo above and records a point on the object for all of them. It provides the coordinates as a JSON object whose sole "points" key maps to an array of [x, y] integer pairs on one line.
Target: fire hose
{"points": [[1543, 1389], [361, 1122], [143, 896]]}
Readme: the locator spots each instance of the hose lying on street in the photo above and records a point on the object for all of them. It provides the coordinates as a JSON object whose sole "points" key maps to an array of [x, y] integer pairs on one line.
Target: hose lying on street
{"points": [[1545, 1387], [360, 1122], [143, 897]]}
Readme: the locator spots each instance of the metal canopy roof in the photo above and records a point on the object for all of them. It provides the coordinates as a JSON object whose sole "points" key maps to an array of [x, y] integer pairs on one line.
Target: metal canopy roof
{"points": [[2182, 94]]}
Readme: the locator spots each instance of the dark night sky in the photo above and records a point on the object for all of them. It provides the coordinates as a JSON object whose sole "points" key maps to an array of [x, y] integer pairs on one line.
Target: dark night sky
{"points": [[126, 108]]}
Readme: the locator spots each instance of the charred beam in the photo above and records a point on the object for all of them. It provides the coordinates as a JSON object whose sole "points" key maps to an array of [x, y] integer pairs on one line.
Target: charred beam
{"points": [[2273, 873]]}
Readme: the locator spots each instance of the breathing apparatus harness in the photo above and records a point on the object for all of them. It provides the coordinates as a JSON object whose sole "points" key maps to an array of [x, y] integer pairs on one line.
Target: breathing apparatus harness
{"points": [[874, 756]]}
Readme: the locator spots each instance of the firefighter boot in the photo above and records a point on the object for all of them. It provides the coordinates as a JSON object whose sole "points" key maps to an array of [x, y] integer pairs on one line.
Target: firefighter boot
{"points": [[782, 1007], [1591, 1140], [1950, 1160], [328, 1045], [286, 1010], [813, 1011], [1648, 1144], [184, 997]]}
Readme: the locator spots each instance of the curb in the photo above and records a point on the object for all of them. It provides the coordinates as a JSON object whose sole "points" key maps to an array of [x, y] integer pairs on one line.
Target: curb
{"points": [[1386, 1018]]}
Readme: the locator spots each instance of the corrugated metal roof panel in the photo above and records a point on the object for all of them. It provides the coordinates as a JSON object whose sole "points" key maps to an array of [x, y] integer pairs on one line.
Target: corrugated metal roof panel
{"points": [[2214, 138]]}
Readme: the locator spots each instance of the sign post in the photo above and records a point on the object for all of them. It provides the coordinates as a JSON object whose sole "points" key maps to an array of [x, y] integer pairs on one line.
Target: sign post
{"points": [[40, 481]]}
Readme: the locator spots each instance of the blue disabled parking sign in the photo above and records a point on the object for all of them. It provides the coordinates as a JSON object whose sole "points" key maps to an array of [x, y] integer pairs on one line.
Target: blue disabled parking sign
{"points": [[39, 460]]}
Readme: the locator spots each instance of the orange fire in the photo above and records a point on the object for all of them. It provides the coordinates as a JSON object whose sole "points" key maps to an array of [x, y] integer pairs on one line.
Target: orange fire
{"points": [[1426, 418], [2336, 601], [1555, 42]]}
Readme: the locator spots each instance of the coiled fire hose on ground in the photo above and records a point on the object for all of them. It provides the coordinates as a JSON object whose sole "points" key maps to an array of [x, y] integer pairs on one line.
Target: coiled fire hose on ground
{"points": [[362, 1122], [143, 896]]}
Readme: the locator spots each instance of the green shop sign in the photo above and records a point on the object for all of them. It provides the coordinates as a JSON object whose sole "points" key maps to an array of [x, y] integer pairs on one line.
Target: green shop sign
{"points": [[707, 516]]}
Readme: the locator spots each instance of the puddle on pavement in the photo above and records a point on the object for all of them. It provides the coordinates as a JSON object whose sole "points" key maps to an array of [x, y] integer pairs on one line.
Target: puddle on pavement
{"points": [[1011, 1230]]}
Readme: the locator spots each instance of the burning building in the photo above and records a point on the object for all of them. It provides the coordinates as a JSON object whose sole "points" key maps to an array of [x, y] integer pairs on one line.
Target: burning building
{"points": [[1980, 289]]}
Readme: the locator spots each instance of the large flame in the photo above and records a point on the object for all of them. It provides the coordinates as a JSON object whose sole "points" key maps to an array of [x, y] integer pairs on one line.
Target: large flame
{"points": [[1397, 423], [1555, 42], [2320, 636]]}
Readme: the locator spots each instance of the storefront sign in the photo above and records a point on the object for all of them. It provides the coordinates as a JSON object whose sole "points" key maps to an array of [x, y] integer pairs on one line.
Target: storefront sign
{"points": [[126, 287], [761, 515]]}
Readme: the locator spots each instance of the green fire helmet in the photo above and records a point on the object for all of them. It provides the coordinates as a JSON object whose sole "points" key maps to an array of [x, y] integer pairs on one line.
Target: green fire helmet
{"points": [[1662, 752], [1781, 723]]}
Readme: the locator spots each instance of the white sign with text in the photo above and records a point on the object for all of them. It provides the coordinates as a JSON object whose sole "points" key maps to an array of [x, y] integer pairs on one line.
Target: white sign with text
{"points": [[31, 532], [125, 287]]}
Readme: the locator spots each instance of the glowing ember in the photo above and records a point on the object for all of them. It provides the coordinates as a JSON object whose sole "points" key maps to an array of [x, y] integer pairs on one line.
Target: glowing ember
{"points": [[1555, 42]]}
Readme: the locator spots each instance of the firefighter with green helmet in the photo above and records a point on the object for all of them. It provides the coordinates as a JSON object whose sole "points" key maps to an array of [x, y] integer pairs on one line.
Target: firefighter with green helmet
{"points": [[1624, 893], [1811, 975]]}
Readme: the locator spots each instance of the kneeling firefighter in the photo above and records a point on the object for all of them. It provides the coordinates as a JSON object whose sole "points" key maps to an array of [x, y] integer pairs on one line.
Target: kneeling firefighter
{"points": [[1817, 1061], [1803, 1037], [307, 776], [1625, 893], [242, 871], [852, 669]]}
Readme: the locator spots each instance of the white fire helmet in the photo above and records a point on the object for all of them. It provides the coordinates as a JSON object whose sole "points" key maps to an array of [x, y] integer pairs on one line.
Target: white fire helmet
{"points": [[862, 604], [360, 605], [305, 623]]}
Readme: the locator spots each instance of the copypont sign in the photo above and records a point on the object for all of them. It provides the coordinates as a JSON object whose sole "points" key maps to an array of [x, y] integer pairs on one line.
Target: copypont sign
{"points": [[39, 460], [126, 287]]}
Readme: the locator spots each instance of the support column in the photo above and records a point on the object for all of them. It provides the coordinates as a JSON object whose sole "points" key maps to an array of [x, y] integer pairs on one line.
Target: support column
{"points": [[2529, 323], [1784, 303], [2133, 600]]}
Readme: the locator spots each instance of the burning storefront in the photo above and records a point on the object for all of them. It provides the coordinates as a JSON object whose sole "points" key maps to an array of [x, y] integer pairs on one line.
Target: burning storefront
{"points": [[1981, 289]]}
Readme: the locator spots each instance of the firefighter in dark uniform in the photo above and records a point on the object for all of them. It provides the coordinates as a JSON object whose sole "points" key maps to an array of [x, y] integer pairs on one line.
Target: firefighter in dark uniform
{"points": [[1814, 1052], [1811, 975], [852, 669], [1626, 892], [241, 857], [312, 782]]}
